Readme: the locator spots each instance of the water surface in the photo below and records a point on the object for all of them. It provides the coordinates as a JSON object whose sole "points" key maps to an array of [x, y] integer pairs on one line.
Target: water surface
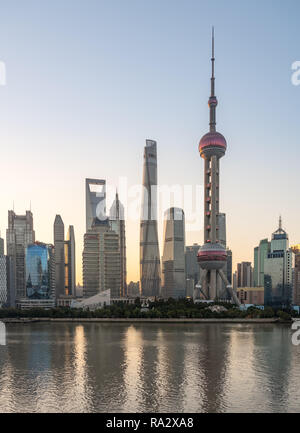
{"points": [[115, 367]]}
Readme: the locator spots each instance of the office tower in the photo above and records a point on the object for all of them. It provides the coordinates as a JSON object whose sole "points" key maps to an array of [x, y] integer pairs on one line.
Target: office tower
{"points": [[234, 281], [260, 255], [40, 271], [10, 278], [65, 265], [278, 270], [244, 274], [212, 255], [59, 248], [229, 266], [1, 247], [3, 281], [192, 269], [189, 287], [133, 289], [3, 277], [227, 269], [149, 248], [117, 224], [70, 263], [95, 196], [101, 260], [92, 258], [173, 259], [296, 282], [112, 265], [19, 234]]}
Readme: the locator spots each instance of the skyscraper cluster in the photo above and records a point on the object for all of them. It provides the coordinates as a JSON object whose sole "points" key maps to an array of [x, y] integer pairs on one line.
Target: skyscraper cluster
{"points": [[32, 273], [40, 274]]}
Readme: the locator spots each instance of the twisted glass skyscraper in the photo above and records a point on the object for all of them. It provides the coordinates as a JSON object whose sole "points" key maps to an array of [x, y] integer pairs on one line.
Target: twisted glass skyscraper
{"points": [[149, 248]]}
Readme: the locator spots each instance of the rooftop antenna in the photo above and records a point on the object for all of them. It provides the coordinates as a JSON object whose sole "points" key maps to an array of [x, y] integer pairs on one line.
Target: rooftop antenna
{"points": [[213, 102]]}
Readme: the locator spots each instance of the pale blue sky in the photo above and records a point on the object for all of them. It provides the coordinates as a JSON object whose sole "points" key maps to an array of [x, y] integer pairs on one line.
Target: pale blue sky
{"points": [[89, 81]]}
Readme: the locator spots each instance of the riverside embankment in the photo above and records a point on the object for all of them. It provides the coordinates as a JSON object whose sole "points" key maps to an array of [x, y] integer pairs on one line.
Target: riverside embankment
{"points": [[137, 320]]}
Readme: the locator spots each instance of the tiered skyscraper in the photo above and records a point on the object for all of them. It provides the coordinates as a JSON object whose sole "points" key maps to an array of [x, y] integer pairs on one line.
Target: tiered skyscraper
{"points": [[149, 248], [212, 255], [173, 259]]}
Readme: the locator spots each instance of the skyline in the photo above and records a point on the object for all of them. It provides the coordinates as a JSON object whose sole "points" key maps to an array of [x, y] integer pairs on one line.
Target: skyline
{"points": [[145, 100]]}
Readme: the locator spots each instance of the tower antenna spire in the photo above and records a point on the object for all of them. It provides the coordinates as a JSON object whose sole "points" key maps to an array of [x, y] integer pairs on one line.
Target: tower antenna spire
{"points": [[212, 61], [213, 102], [280, 222]]}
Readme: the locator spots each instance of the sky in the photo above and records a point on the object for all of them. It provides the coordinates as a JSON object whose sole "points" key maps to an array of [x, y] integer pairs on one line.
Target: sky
{"points": [[88, 81]]}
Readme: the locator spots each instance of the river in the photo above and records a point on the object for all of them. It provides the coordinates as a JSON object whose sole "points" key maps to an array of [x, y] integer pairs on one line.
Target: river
{"points": [[116, 367]]}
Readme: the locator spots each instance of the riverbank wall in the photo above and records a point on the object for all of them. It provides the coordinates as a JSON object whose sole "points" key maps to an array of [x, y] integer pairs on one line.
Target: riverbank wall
{"points": [[136, 320]]}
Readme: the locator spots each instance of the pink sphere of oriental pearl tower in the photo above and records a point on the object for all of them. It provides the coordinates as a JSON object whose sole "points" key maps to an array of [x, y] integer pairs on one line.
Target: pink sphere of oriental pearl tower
{"points": [[212, 255]]}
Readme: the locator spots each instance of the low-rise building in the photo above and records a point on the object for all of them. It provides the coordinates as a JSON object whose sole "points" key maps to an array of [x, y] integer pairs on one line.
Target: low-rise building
{"points": [[251, 295]]}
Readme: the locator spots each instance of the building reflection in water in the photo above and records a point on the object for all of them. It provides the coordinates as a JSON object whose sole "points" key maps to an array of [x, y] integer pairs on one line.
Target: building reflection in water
{"points": [[104, 367], [273, 370]]}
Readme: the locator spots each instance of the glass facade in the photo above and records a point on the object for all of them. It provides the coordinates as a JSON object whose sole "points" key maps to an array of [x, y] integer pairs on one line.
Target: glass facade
{"points": [[38, 271]]}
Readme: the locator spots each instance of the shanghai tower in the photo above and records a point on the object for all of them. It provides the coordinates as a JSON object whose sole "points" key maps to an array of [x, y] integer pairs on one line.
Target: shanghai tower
{"points": [[149, 248], [212, 256]]}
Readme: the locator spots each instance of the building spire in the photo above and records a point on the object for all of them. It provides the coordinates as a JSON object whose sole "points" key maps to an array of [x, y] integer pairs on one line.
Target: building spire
{"points": [[280, 222], [212, 103], [213, 62]]}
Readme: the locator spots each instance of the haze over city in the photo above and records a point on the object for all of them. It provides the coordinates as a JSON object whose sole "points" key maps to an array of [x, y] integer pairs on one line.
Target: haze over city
{"points": [[82, 95]]}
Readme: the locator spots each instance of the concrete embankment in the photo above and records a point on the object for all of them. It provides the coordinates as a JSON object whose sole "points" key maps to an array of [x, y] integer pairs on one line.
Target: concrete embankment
{"points": [[135, 320]]}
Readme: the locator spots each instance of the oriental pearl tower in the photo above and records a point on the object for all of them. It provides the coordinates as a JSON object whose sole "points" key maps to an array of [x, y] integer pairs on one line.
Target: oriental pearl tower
{"points": [[212, 255]]}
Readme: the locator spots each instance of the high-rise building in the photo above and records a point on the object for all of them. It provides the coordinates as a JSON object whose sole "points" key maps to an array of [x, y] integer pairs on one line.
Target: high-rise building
{"points": [[59, 248], [65, 268], [260, 255], [133, 289], [3, 277], [117, 224], [296, 282], [229, 266], [10, 278], [101, 260], [173, 259], [149, 247], [192, 269], [40, 271], [3, 282], [1, 247], [278, 271], [212, 255], [227, 269], [92, 258], [70, 263], [95, 196], [19, 235], [112, 265], [244, 274]]}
